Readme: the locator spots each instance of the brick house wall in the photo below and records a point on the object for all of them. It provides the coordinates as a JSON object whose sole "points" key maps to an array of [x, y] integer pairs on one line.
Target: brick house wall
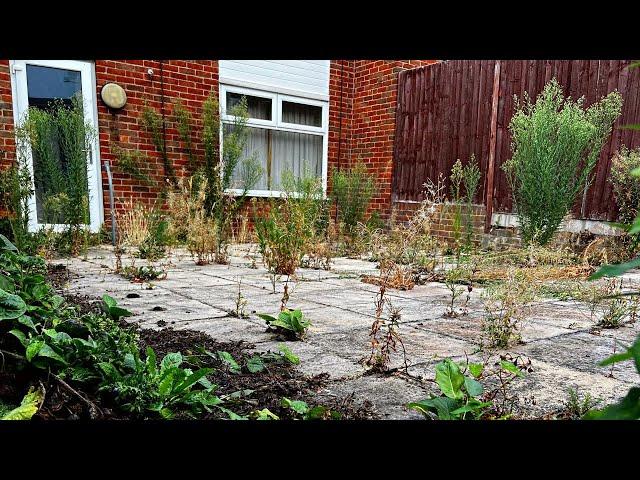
{"points": [[7, 137], [361, 117], [187, 81]]}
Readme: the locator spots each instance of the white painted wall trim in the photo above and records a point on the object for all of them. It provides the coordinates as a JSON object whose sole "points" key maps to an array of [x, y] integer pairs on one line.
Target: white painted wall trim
{"points": [[573, 225], [271, 89]]}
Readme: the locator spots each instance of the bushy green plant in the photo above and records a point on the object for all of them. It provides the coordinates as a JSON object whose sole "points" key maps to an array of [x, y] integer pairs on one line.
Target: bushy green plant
{"points": [[286, 232], [289, 322], [58, 140], [626, 189], [556, 143], [352, 190]]}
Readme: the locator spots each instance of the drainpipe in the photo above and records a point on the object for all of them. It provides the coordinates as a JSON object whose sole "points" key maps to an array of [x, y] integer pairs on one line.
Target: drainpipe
{"points": [[340, 130], [111, 203]]}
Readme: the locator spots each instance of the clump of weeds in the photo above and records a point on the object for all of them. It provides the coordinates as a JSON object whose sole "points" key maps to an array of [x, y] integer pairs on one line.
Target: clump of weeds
{"points": [[506, 306]]}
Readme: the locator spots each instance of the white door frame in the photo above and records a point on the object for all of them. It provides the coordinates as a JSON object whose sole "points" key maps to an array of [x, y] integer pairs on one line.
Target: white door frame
{"points": [[20, 106]]}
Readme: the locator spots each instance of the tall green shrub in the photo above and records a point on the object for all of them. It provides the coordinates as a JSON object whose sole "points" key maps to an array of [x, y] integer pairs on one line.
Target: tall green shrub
{"points": [[58, 139], [556, 143], [352, 190]]}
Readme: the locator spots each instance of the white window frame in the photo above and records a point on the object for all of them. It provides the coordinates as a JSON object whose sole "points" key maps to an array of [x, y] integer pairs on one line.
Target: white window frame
{"points": [[277, 124], [303, 101], [20, 100], [256, 122]]}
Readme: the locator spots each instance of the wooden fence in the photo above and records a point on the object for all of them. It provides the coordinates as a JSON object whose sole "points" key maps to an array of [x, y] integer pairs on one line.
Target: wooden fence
{"points": [[452, 109]]}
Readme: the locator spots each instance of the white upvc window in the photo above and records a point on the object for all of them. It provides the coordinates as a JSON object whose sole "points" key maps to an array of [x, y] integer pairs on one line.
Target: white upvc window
{"points": [[286, 132]]}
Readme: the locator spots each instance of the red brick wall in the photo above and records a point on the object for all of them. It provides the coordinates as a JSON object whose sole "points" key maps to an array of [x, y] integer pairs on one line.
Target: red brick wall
{"points": [[361, 116], [374, 115], [443, 220], [189, 81]]}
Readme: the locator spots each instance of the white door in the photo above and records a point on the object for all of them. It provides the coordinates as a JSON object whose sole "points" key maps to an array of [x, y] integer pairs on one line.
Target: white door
{"points": [[34, 84]]}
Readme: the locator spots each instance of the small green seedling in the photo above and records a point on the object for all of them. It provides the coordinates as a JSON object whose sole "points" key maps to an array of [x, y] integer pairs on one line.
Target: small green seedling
{"points": [[290, 323]]}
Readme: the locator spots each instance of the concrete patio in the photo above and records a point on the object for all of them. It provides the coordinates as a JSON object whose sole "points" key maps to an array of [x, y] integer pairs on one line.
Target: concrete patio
{"points": [[558, 335]]}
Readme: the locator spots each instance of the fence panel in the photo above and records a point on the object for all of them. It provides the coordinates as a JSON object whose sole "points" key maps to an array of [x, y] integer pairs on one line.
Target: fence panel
{"points": [[444, 113]]}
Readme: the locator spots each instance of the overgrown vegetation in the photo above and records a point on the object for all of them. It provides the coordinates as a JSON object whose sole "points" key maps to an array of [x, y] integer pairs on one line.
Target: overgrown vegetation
{"points": [[78, 356], [292, 225], [506, 305], [352, 190], [206, 197], [59, 141], [556, 143]]}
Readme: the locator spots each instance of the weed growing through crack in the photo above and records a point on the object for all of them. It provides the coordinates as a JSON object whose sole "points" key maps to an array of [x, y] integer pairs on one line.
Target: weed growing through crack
{"points": [[617, 309], [454, 280], [474, 391], [576, 407], [241, 303], [384, 334]]}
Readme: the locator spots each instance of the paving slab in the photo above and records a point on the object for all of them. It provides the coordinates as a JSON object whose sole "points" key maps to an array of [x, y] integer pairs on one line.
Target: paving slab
{"points": [[389, 395]]}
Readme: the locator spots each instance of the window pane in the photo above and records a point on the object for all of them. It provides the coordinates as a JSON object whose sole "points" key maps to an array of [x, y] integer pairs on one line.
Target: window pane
{"points": [[257, 144], [278, 151], [301, 114], [58, 166], [45, 84], [259, 107], [295, 152]]}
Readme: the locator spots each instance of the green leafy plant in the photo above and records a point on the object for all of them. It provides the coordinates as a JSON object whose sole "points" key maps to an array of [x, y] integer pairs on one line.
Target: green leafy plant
{"points": [[460, 395], [556, 143], [463, 397], [302, 409], [159, 388], [28, 406], [111, 308], [291, 323]]}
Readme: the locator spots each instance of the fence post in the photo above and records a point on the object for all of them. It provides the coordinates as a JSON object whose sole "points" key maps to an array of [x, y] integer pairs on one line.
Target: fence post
{"points": [[492, 147]]}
